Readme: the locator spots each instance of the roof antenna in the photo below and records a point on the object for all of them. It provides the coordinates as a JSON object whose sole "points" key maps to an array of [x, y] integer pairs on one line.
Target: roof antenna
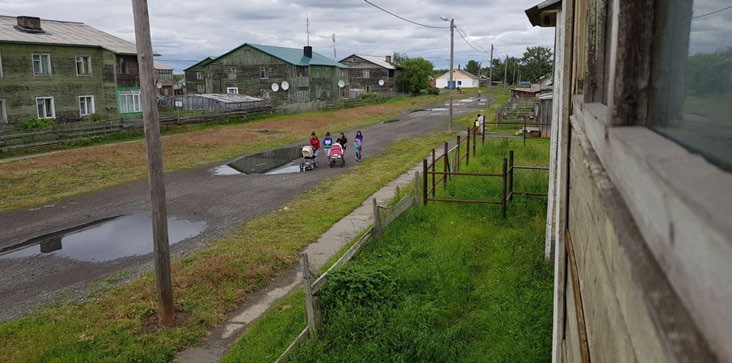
{"points": [[307, 25], [334, 48]]}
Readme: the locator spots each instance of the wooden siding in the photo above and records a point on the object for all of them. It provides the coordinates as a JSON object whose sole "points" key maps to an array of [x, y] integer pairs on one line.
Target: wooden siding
{"points": [[19, 87], [355, 79]]}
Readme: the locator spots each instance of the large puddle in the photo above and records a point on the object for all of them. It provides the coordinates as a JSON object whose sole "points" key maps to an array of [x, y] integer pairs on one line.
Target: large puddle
{"points": [[276, 161], [125, 236]]}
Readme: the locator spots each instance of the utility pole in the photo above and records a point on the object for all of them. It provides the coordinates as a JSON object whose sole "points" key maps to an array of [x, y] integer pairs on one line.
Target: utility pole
{"points": [[166, 312], [452, 50], [490, 79], [505, 71]]}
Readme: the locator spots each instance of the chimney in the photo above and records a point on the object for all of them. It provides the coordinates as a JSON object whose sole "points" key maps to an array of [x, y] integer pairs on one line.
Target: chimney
{"points": [[388, 59], [308, 51], [29, 24]]}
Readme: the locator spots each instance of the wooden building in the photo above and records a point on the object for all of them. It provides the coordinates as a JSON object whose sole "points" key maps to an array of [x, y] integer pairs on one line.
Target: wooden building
{"points": [[639, 200], [64, 70], [282, 75], [163, 79], [369, 74]]}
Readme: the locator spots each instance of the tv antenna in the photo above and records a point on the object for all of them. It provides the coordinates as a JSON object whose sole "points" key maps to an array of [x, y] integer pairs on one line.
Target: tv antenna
{"points": [[307, 27], [334, 48]]}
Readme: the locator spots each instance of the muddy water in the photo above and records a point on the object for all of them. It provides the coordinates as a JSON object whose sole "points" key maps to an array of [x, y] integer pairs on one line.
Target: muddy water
{"points": [[125, 236], [266, 161]]}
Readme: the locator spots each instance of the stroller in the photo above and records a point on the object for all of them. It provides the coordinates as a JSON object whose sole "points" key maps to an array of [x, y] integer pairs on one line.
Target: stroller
{"points": [[336, 156], [309, 159]]}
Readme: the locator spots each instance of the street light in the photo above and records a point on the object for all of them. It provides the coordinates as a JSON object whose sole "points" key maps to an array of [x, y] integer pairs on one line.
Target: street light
{"points": [[452, 47]]}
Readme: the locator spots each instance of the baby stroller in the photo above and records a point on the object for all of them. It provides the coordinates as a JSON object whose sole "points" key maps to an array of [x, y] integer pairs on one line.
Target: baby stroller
{"points": [[336, 156], [309, 159]]}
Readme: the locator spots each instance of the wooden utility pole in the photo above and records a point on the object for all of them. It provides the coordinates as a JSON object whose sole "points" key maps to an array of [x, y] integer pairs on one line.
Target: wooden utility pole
{"points": [[452, 53], [505, 71], [166, 313], [491, 76], [490, 84]]}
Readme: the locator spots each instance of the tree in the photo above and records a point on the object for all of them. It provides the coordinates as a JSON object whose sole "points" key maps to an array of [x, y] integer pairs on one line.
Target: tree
{"points": [[473, 67], [536, 63], [415, 76]]}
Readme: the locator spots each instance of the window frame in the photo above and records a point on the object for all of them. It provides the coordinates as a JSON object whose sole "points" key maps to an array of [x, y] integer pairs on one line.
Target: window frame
{"points": [[2, 75], [229, 89], [263, 73], [89, 65], [40, 61], [3, 111], [201, 88], [231, 73], [365, 73], [93, 106], [199, 75], [132, 93], [53, 108]]}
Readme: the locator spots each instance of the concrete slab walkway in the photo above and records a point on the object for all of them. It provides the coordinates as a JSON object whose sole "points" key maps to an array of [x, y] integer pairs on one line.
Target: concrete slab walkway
{"points": [[319, 252]]}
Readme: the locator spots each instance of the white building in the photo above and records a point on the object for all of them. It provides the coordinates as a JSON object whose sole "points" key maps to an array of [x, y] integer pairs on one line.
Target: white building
{"points": [[460, 79]]}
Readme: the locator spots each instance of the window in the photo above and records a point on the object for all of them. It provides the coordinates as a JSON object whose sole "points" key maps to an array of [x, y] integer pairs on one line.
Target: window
{"points": [[199, 75], [45, 107], [83, 65], [122, 66], [317, 72], [263, 73], [232, 73], [344, 73], [265, 94], [3, 112], [365, 73], [41, 64], [302, 71], [201, 88], [693, 80], [86, 105], [129, 101], [232, 90], [460, 83], [1, 67]]}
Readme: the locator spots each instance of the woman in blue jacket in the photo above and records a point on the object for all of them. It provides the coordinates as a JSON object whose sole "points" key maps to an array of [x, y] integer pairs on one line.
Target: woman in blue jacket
{"points": [[358, 145]]}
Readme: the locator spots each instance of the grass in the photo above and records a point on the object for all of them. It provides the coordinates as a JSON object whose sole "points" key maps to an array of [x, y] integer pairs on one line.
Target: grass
{"points": [[120, 325], [47, 178], [446, 283]]}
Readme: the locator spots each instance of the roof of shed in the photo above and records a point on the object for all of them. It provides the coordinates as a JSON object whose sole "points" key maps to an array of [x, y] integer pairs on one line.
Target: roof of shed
{"points": [[379, 61], [64, 33]]}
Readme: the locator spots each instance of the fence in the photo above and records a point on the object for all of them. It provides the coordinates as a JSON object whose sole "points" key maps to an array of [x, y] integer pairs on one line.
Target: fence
{"points": [[18, 139], [312, 283]]}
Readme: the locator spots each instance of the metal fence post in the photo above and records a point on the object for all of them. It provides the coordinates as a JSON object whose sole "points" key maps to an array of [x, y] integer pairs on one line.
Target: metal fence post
{"points": [[310, 306], [467, 149], [424, 181], [510, 175], [434, 182], [446, 156], [503, 198]]}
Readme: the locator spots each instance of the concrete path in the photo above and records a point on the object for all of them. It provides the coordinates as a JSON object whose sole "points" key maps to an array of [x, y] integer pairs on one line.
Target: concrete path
{"points": [[319, 252]]}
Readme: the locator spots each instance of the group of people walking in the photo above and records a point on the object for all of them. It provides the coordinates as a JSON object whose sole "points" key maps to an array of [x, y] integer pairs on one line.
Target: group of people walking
{"points": [[342, 140]]}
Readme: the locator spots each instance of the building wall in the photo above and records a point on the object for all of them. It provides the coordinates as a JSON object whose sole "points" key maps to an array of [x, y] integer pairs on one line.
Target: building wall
{"points": [[19, 87], [355, 76]]}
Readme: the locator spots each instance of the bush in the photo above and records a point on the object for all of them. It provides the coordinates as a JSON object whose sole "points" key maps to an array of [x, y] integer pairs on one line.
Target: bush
{"points": [[36, 124], [369, 96], [96, 117], [358, 285]]}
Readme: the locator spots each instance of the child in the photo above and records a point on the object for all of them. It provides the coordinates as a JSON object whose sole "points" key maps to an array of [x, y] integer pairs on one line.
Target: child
{"points": [[358, 145], [327, 143]]}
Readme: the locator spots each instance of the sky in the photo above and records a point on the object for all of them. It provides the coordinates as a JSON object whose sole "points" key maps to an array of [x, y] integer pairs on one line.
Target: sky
{"points": [[186, 31]]}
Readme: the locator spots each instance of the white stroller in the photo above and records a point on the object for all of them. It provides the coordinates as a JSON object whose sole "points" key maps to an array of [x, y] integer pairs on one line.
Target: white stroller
{"points": [[309, 159]]}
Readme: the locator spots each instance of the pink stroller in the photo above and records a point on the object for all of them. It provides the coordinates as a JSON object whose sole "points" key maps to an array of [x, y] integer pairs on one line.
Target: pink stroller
{"points": [[336, 156]]}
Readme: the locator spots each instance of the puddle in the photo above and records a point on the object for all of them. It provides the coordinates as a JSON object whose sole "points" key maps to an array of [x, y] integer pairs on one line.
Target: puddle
{"points": [[438, 109], [125, 236], [285, 169], [225, 170], [265, 161]]}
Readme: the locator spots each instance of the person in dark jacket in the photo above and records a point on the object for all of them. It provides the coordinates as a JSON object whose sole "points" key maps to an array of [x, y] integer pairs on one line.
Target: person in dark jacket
{"points": [[343, 141]]}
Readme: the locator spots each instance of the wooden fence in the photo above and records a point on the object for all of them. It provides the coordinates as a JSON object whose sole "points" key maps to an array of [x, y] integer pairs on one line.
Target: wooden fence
{"points": [[312, 284], [62, 133]]}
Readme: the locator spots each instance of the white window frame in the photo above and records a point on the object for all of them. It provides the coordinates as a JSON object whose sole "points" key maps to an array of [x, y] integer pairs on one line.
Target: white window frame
{"points": [[232, 90], [87, 66], [40, 61], [3, 111], [132, 94], [232, 73], [365, 73], [53, 108], [90, 110], [263, 73], [1, 67], [265, 94], [201, 88], [199, 75]]}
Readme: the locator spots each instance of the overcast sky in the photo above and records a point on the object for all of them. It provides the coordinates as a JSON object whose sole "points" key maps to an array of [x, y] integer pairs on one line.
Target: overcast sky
{"points": [[186, 31]]}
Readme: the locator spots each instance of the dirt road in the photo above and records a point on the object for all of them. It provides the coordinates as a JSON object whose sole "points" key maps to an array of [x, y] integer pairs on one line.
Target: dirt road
{"points": [[221, 202]]}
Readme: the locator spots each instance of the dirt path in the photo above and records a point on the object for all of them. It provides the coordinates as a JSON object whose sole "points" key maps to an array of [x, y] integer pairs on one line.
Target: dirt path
{"points": [[222, 202]]}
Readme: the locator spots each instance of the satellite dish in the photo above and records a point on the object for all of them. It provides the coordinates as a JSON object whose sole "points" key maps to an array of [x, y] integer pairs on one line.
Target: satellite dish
{"points": [[381, 82], [275, 87], [341, 84], [285, 85], [159, 85]]}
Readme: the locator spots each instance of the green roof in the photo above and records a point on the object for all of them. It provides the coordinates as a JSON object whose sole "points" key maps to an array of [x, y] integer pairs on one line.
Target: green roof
{"points": [[296, 56]]}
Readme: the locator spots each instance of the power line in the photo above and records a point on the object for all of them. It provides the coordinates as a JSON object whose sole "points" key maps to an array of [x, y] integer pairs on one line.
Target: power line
{"points": [[468, 43], [713, 12], [403, 18], [464, 34]]}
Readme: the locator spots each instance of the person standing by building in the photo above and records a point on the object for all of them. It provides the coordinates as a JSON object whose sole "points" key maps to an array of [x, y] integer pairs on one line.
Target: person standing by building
{"points": [[358, 144], [327, 143]]}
